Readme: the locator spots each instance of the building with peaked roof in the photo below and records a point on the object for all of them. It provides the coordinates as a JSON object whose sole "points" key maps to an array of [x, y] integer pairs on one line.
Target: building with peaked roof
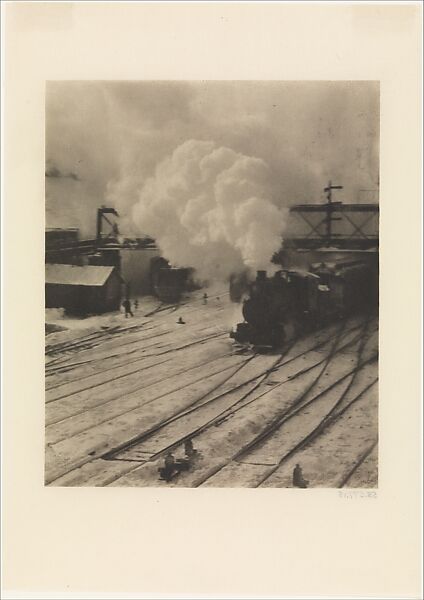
{"points": [[83, 290]]}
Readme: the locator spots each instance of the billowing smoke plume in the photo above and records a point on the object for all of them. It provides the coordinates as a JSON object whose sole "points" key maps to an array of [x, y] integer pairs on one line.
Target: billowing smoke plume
{"points": [[105, 139], [211, 208]]}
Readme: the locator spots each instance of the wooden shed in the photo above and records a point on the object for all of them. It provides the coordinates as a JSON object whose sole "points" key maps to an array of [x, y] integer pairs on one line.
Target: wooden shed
{"points": [[83, 290]]}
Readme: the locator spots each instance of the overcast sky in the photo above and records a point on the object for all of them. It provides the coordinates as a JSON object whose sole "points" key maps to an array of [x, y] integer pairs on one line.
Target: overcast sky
{"points": [[104, 139]]}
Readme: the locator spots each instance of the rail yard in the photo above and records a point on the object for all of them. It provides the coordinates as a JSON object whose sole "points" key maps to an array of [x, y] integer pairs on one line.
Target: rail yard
{"points": [[125, 397]]}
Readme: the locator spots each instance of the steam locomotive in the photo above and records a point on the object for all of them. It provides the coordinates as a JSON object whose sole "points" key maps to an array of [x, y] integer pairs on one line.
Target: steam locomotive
{"points": [[169, 283], [292, 302]]}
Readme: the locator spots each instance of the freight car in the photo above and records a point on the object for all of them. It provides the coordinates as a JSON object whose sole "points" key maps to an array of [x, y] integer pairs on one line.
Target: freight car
{"points": [[352, 286], [294, 301], [169, 283]]}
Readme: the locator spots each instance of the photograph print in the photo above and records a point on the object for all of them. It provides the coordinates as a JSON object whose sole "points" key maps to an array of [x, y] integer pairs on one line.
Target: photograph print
{"points": [[212, 284]]}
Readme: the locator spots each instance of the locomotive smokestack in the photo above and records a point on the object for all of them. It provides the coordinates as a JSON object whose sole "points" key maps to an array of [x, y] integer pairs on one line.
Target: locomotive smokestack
{"points": [[260, 275]]}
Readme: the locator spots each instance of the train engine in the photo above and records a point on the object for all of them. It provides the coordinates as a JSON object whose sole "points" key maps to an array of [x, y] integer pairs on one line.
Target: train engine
{"points": [[292, 302], [266, 310]]}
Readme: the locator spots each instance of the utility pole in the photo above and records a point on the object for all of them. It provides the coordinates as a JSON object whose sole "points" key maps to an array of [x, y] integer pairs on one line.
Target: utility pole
{"points": [[330, 208]]}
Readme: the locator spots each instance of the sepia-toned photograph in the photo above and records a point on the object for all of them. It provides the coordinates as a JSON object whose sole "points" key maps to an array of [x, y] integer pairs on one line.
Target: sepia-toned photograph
{"points": [[212, 284], [212, 305]]}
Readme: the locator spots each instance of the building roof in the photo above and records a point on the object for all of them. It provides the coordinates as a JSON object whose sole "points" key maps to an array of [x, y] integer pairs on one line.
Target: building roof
{"points": [[90, 275]]}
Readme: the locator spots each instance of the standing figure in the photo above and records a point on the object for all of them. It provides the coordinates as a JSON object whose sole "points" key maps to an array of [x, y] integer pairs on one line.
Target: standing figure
{"points": [[136, 303], [169, 461], [298, 480], [127, 306], [189, 450], [169, 468], [205, 298]]}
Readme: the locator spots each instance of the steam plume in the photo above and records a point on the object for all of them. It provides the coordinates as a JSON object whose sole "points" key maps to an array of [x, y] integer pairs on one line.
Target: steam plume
{"points": [[211, 208], [104, 139]]}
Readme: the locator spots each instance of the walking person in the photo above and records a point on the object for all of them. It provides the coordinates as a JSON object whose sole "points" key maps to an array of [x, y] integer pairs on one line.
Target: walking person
{"points": [[127, 306]]}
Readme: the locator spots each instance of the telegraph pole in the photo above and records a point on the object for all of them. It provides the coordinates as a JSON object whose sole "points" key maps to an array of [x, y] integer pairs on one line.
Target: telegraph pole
{"points": [[330, 208]]}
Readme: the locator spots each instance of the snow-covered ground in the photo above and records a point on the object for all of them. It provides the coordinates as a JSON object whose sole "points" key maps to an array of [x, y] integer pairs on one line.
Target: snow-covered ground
{"points": [[122, 393]]}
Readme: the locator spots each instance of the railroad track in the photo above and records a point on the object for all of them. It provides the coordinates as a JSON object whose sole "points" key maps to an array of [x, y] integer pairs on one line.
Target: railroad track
{"points": [[196, 406], [295, 410], [84, 342], [335, 411], [155, 382], [50, 480], [326, 423], [64, 367], [138, 406], [60, 364], [80, 390], [48, 388], [226, 413], [161, 308], [58, 368], [59, 347], [362, 458], [238, 405], [126, 362], [76, 343], [209, 391]]}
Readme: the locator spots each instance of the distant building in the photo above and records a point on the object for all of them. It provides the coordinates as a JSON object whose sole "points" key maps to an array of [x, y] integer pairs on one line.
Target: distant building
{"points": [[56, 237], [83, 290], [131, 257]]}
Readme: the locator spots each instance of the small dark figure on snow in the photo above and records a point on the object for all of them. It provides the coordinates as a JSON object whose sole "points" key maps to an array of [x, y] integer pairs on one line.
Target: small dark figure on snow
{"points": [[205, 298], [181, 321], [168, 469], [298, 480], [136, 303], [127, 306], [169, 460], [189, 449], [173, 467]]}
